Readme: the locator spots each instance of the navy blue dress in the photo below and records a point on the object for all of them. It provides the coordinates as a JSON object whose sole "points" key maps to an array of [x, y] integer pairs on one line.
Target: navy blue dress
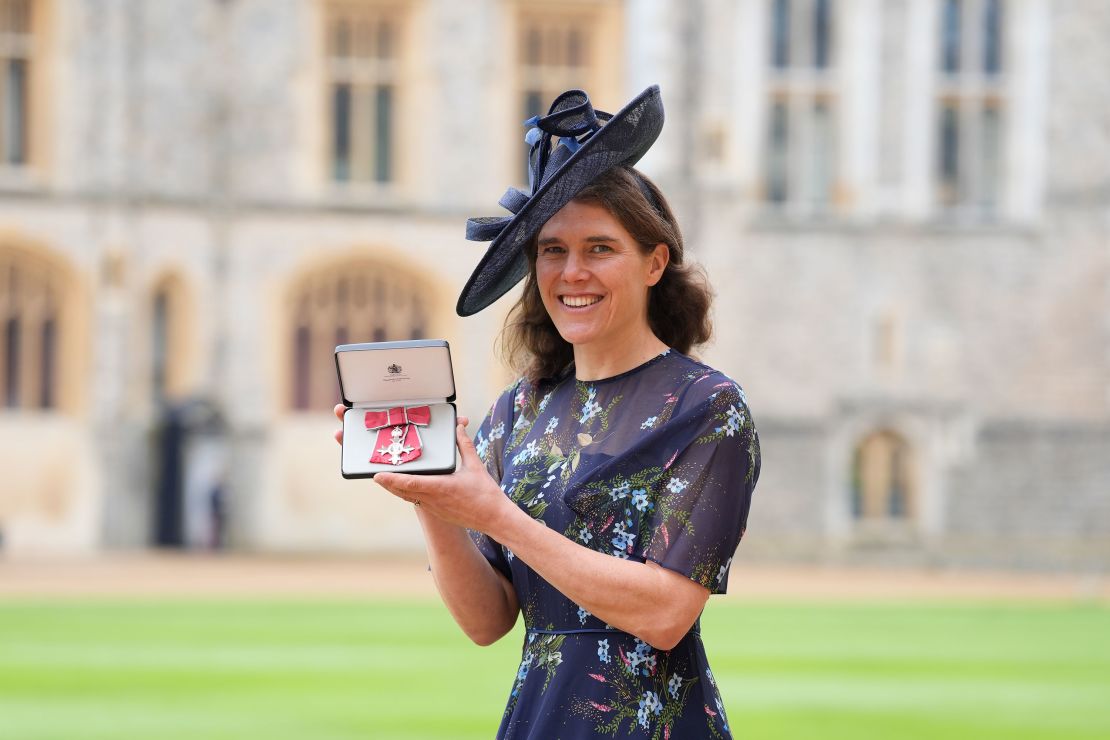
{"points": [[657, 463]]}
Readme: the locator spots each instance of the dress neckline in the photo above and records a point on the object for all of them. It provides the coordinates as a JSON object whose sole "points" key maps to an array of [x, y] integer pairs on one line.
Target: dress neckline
{"points": [[643, 365]]}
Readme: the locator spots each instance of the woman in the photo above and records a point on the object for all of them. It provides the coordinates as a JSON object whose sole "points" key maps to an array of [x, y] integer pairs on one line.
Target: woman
{"points": [[607, 489]]}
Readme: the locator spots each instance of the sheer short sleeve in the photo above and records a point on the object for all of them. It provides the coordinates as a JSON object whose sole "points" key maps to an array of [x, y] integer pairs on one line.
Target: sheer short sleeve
{"points": [[699, 510], [489, 441]]}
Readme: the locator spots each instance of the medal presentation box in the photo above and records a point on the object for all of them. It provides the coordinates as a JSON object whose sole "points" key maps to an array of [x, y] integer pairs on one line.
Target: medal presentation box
{"points": [[400, 413]]}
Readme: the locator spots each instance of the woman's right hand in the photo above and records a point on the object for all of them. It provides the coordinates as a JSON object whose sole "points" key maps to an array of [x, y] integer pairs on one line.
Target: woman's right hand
{"points": [[340, 409]]}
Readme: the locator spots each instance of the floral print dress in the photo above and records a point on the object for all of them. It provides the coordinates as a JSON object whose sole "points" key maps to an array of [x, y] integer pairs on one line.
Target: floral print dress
{"points": [[657, 463]]}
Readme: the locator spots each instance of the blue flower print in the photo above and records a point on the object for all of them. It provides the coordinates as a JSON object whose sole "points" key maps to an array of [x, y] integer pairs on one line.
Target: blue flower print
{"points": [[735, 421], [621, 491], [530, 452], [497, 432], [649, 705], [482, 447], [603, 651], [591, 407], [649, 422], [639, 499], [582, 614], [622, 540], [522, 673], [551, 424], [674, 685], [642, 655], [677, 485]]}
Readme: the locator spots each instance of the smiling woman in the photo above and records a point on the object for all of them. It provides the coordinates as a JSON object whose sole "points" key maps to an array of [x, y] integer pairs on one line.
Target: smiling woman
{"points": [[630, 238], [606, 490]]}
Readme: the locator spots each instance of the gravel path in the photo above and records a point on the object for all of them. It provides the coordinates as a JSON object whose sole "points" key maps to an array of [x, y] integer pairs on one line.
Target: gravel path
{"points": [[245, 576]]}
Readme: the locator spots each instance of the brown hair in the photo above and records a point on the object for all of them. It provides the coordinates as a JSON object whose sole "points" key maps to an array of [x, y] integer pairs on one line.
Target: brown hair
{"points": [[678, 305]]}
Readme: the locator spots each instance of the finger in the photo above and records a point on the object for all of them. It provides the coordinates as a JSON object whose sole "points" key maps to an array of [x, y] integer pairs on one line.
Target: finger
{"points": [[339, 436], [466, 447], [400, 483], [464, 420], [339, 411]]}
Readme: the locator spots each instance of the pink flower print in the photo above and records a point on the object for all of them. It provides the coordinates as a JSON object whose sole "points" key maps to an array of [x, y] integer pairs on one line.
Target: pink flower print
{"points": [[597, 677], [666, 732], [709, 711], [607, 523], [671, 461], [601, 707], [666, 537]]}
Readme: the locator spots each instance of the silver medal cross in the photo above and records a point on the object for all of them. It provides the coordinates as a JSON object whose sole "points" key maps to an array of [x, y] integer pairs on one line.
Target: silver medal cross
{"points": [[396, 447]]}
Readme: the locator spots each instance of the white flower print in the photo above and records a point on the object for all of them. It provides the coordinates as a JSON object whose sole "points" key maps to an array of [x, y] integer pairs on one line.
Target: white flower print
{"points": [[677, 485], [544, 400], [550, 480], [735, 421], [723, 572], [582, 614], [551, 424], [649, 422], [603, 651], [498, 431], [622, 539], [521, 421], [482, 447], [591, 407], [621, 491], [639, 499], [529, 453], [508, 553], [553, 659], [584, 535], [649, 705], [674, 685]]}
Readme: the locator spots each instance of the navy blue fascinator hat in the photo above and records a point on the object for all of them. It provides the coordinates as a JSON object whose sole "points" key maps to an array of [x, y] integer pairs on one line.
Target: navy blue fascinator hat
{"points": [[589, 142]]}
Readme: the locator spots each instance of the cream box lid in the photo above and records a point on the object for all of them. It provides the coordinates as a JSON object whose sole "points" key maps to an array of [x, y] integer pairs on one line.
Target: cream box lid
{"points": [[382, 373]]}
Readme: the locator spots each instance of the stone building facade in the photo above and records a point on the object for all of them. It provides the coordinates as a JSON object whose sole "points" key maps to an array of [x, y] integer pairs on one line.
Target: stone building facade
{"points": [[904, 206]]}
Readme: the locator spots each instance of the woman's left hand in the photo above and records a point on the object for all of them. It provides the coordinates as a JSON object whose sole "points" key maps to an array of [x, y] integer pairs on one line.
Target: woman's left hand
{"points": [[469, 497]]}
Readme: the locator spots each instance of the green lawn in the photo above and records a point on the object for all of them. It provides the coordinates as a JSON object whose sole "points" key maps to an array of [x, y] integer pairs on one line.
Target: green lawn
{"points": [[334, 669]]}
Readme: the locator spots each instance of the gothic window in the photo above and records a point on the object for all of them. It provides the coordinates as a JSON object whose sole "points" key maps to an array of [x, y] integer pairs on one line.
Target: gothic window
{"points": [[554, 54], [882, 478], [363, 68], [16, 58], [168, 346], [29, 323], [800, 162], [970, 104], [364, 302]]}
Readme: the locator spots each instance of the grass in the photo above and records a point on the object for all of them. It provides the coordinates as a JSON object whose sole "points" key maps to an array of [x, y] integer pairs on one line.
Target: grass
{"points": [[333, 669]]}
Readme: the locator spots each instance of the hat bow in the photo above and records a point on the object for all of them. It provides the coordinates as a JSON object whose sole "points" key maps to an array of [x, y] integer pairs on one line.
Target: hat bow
{"points": [[573, 119]]}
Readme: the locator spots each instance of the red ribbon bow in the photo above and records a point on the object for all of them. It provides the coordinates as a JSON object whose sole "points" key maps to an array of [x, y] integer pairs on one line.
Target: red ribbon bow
{"points": [[398, 440]]}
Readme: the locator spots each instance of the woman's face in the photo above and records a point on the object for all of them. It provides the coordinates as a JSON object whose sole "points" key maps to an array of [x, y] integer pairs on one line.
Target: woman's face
{"points": [[594, 277]]}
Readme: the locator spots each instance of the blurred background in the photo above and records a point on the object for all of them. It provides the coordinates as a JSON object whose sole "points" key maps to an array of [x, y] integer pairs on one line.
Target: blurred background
{"points": [[904, 207]]}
